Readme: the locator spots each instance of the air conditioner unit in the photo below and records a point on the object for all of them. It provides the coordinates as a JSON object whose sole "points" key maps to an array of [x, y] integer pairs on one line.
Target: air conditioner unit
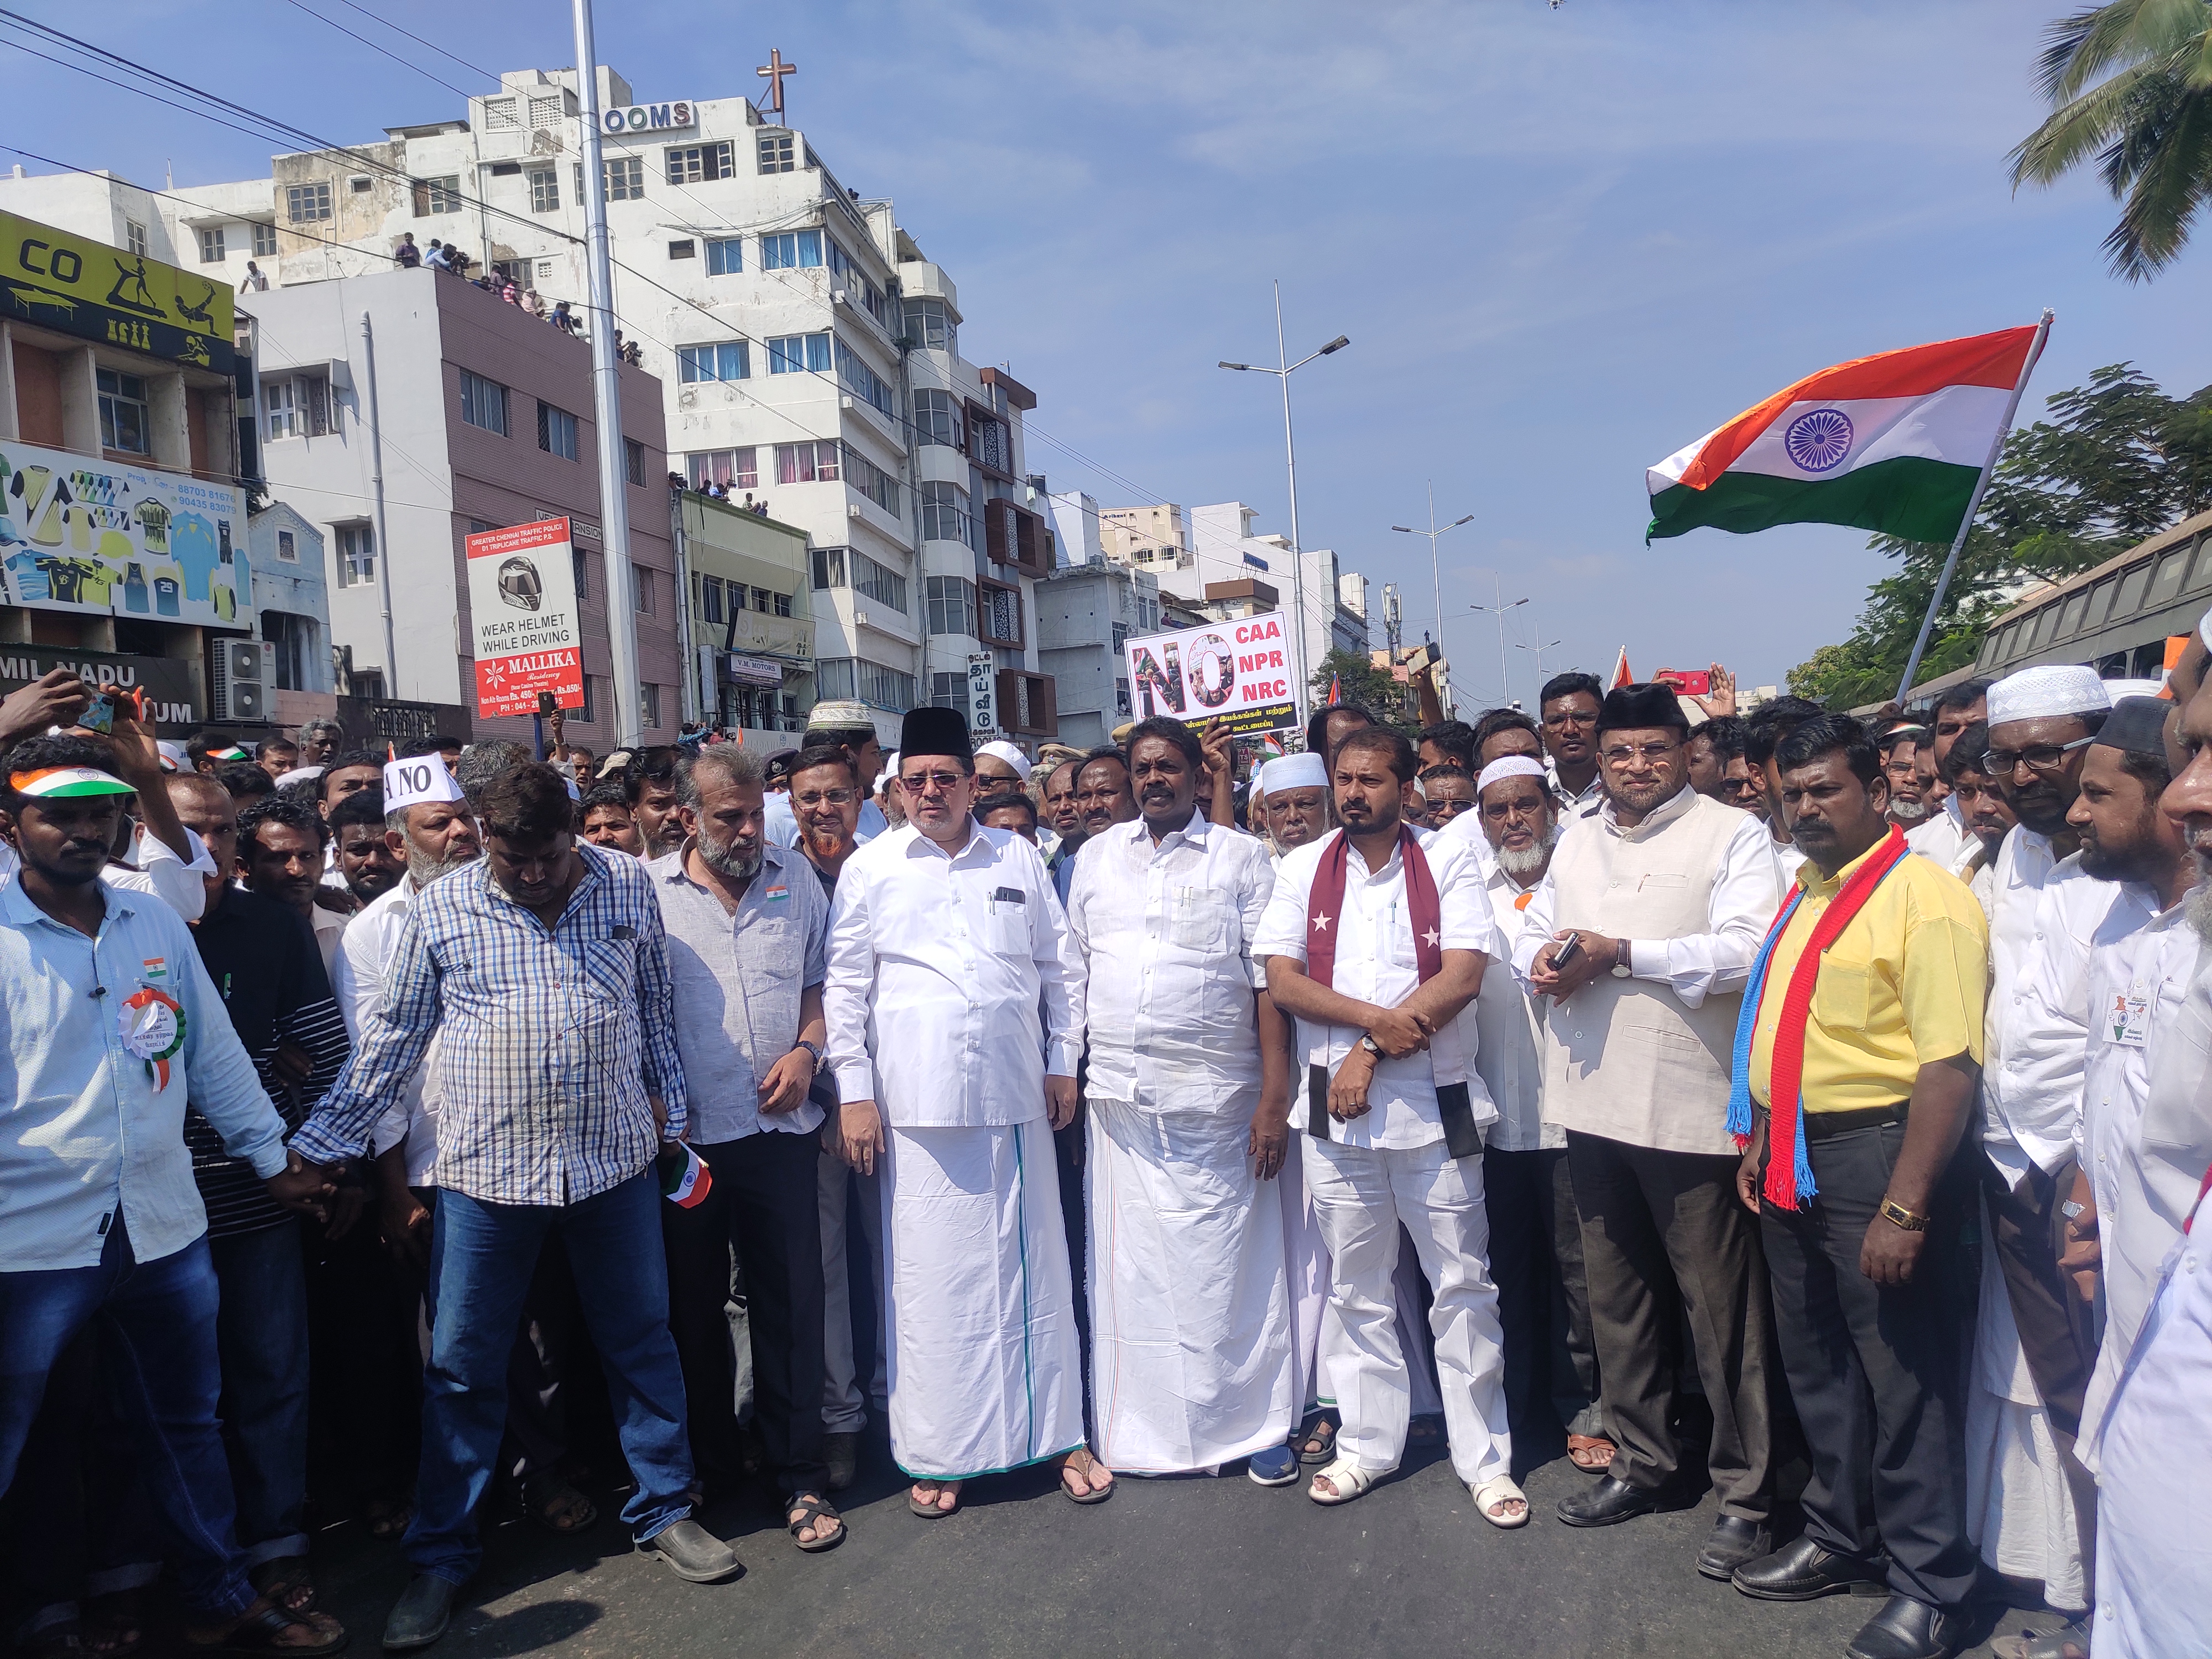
{"points": [[244, 681]]}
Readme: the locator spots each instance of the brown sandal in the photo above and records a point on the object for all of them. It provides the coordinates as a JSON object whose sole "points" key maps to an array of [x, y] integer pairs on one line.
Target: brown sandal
{"points": [[286, 1582], [1081, 1463], [260, 1628], [1593, 1454]]}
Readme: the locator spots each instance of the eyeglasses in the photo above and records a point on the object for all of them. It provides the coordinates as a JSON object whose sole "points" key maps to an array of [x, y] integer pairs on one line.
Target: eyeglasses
{"points": [[820, 797], [916, 783], [1448, 809], [1620, 754], [2040, 757], [1553, 722]]}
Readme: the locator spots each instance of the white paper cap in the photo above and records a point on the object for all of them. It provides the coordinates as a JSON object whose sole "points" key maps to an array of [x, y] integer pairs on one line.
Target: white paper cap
{"points": [[2047, 692], [1001, 749], [2117, 689], [420, 778], [1508, 766], [1300, 771]]}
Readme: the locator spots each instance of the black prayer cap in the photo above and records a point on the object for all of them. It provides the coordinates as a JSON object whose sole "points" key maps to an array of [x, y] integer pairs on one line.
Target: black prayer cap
{"points": [[2136, 726], [1634, 707], [932, 730]]}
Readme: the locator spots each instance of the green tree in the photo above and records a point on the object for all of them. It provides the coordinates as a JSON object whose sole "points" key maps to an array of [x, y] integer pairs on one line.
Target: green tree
{"points": [[1359, 681], [2117, 460], [2131, 84]]}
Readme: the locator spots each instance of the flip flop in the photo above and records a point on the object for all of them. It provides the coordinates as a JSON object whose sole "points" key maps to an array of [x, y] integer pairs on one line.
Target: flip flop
{"points": [[930, 1511], [1086, 1468]]}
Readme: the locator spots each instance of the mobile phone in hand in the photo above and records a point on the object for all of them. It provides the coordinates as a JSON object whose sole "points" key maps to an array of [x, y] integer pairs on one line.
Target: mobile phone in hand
{"points": [[99, 715], [1566, 953]]}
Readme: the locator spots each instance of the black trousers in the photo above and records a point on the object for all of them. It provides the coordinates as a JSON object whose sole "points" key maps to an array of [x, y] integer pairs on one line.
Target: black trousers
{"points": [[1875, 1372], [1543, 1305], [762, 1205], [1668, 1246]]}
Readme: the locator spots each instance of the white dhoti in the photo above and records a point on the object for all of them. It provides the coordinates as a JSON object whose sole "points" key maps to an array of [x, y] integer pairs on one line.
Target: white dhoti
{"points": [[1190, 1330], [986, 1371], [1361, 1196]]}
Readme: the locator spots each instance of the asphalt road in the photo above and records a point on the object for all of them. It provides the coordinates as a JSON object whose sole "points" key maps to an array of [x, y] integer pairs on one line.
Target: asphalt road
{"points": [[1168, 1567]]}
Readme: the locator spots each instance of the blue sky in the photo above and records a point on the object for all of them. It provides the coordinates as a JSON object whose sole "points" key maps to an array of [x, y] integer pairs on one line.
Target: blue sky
{"points": [[1563, 243]]}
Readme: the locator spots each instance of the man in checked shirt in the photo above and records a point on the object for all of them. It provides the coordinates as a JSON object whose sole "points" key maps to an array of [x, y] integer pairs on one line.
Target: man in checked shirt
{"points": [[544, 969]]}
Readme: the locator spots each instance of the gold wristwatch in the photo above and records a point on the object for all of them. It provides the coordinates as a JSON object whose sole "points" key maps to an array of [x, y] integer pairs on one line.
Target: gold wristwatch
{"points": [[1898, 1215]]}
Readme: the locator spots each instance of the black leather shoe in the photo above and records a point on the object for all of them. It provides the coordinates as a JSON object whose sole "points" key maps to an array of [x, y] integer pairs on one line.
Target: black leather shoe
{"points": [[1906, 1629], [1800, 1570], [1733, 1541], [1606, 1502], [421, 1615]]}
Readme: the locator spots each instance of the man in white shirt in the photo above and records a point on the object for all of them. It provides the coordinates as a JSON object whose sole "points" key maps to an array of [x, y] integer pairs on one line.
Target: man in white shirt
{"points": [[1569, 705], [1945, 836], [1664, 897], [1188, 1095], [847, 726], [1536, 1233], [1377, 962], [952, 1035]]}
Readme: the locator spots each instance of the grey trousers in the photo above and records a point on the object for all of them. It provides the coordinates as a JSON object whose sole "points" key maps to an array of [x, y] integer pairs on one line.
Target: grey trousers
{"points": [[1667, 1245]]}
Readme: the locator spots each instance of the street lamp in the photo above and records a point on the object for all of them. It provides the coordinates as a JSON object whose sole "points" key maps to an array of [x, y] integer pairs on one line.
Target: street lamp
{"points": [[1436, 579], [1283, 370], [1498, 609], [1539, 650]]}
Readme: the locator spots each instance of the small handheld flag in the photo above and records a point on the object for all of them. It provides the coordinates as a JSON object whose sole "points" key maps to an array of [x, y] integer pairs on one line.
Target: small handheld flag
{"points": [[685, 1180]]}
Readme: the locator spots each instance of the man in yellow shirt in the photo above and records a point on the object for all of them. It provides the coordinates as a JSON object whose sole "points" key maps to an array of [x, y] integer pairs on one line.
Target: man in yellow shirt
{"points": [[1860, 1044]]}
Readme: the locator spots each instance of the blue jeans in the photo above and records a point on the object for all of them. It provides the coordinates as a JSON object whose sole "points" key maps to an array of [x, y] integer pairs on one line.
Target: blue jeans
{"points": [[262, 1336], [482, 1257], [157, 1329]]}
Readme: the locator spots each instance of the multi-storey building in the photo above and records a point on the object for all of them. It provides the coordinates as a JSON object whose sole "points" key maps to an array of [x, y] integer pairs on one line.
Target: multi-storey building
{"points": [[752, 625], [1088, 611]]}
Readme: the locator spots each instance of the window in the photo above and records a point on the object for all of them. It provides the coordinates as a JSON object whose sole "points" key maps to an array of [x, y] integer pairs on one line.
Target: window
{"points": [[847, 272], [760, 599], [294, 638], [483, 402], [264, 240], [879, 582], [556, 431], [806, 462], [949, 691], [315, 403], [725, 255], [952, 604], [944, 515], [2171, 570], [929, 323], [288, 547], [872, 481], [280, 404], [990, 444], [435, 196], [356, 554], [730, 360], [693, 164], [684, 248], [793, 354], [634, 460], [863, 382], [829, 567], [2131, 591], [732, 469], [583, 572], [776, 152], [999, 610], [641, 578], [871, 682], [210, 244], [782, 604], [544, 190], [368, 685], [625, 177], [547, 108], [792, 250], [305, 204], [937, 417], [125, 420], [648, 701], [500, 115], [134, 236], [710, 598], [2071, 622]]}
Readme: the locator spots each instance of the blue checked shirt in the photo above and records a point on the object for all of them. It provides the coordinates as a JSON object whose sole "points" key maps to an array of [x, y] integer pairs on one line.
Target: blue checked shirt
{"points": [[550, 1039]]}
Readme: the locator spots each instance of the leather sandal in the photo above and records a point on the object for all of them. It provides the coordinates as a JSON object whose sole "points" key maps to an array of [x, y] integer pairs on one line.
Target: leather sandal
{"points": [[260, 1628], [805, 1510], [1083, 1463]]}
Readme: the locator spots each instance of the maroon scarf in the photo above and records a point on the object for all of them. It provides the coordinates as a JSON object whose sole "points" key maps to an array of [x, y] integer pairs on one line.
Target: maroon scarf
{"points": [[1325, 907]]}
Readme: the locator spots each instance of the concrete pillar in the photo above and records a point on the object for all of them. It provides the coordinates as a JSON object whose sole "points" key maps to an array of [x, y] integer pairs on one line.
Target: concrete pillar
{"points": [[169, 437], [80, 401], [8, 428]]}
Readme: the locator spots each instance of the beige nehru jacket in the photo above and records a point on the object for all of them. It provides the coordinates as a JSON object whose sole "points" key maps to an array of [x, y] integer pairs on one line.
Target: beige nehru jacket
{"points": [[1645, 1060]]}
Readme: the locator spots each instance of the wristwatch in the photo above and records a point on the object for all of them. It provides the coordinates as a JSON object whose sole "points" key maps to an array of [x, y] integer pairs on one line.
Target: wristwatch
{"points": [[1621, 968], [812, 1049], [1367, 1042], [1896, 1215]]}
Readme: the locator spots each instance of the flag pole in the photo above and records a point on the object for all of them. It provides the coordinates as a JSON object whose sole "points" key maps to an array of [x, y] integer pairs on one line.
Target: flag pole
{"points": [[1973, 506]]}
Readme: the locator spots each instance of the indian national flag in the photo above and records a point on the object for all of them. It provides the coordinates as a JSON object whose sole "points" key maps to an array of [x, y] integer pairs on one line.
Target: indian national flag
{"points": [[1892, 443]]}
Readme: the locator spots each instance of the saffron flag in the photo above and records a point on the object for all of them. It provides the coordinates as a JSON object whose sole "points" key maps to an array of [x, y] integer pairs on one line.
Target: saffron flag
{"points": [[1891, 443], [1335, 691], [1621, 674]]}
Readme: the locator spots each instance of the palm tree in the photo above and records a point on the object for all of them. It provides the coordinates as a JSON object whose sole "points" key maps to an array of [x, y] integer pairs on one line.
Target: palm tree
{"points": [[2148, 121]]}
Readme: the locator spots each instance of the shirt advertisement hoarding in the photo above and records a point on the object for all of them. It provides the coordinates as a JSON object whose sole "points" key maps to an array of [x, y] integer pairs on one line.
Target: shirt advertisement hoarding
{"points": [[1238, 671], [93, 536], [523, 618]]}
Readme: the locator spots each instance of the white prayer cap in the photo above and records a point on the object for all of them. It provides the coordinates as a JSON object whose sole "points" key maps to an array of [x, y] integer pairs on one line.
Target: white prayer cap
{"points": [[419, 778], [1299, 771], [890, 772], [2117, 689], [1001, 749], [838, 715], [298, 774], [1507, 766], [2047, 692]]}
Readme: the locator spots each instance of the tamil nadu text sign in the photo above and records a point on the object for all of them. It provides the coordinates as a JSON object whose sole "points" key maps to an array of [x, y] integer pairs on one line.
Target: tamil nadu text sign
{"points": [[522, 612], [1238, 671]]}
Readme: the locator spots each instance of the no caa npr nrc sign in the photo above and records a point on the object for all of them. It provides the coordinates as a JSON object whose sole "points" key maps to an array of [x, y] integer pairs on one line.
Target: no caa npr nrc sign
{"points": [[1237, 672]]}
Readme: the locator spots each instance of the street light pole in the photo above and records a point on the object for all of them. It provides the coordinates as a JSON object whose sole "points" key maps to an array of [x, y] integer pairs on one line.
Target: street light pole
{"points": [[1436, 574], [1498, 609], [1283, 370]]}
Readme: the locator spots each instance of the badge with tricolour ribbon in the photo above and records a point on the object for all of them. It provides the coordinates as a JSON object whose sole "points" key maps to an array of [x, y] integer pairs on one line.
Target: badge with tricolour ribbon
{"points": [[153, 1029]]}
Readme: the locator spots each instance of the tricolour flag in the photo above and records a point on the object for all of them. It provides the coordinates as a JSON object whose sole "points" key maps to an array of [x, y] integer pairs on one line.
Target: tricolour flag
{"points": [[1892, 443], [686, 1181]]}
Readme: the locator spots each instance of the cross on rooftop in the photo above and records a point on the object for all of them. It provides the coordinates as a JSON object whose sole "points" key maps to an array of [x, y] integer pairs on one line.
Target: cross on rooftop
{"points": [[772, 72]]}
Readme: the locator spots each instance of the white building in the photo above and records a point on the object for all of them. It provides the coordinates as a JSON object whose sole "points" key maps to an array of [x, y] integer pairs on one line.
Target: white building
{"points": [[1090, 608], [809, 351]]}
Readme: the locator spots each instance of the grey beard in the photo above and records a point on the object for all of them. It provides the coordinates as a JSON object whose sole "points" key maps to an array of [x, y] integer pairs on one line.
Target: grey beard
{"points": [[1527, 863], [724, 859], [1909, 811], [424, 869], [2200, 905]]}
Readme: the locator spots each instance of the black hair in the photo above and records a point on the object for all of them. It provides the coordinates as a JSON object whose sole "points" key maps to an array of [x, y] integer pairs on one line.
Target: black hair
{"points": [[1970, 753], [1317, 724], [1764, 727], [1457, 738], [1503, 720], [1104, 751], [245, 779], [1725, 733], [1829, 734], [287, 814], [1168, 729], [1566, 684], [268, 744], [200, 743], [835, 736], [363, 806], [823, 754], [2152, 770], [604, 794], [526, 803], [1449, 769], [39, 754], [415, 748], [1964, 695], [666, 768], [352, 757], [1393, 744], [1001, 801]]}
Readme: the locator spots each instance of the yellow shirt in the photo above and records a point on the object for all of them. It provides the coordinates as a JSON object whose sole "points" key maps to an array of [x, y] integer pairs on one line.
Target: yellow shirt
{"points": [[1902, 987]]}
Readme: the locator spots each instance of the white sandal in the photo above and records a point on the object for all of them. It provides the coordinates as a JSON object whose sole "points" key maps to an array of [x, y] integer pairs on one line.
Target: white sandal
{"points": [[1501, 1488], [1347, 1476]]}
